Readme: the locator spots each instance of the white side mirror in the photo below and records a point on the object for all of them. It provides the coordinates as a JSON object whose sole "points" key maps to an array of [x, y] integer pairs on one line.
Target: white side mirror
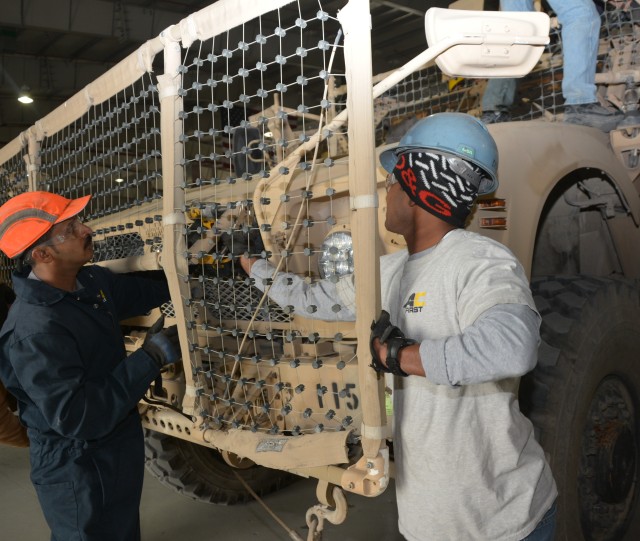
{"points": [[487, 43]]}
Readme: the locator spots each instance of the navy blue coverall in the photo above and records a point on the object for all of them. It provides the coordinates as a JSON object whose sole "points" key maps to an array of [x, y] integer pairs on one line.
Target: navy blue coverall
{"points": [[62, 356]]}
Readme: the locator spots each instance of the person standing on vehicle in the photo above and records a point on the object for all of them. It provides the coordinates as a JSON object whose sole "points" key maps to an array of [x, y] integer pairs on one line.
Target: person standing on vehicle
{"points": [[62, 356], [580, 23], [467, 463]]}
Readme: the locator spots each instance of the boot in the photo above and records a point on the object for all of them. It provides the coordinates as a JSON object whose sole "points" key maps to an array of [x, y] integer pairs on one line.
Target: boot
{"points": [[495, 117], [592, 114]]}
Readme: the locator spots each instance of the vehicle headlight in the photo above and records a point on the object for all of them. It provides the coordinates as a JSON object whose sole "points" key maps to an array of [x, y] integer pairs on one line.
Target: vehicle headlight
{"points": [[337, 255]]}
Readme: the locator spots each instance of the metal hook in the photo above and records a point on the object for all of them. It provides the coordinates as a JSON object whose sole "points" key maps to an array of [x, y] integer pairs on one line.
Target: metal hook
{"points": [[317, 514]]}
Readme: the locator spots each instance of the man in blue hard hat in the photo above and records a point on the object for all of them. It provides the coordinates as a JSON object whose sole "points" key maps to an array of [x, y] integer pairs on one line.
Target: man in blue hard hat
{"points": [[458, 329]]}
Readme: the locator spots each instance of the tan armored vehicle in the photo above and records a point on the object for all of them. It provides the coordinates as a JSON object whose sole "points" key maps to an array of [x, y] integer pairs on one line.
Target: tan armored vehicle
{"points": [[257, 123]]}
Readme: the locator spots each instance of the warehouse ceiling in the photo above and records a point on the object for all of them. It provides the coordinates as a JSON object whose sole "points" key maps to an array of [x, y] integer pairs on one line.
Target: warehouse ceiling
{"points": [[54, 48]]}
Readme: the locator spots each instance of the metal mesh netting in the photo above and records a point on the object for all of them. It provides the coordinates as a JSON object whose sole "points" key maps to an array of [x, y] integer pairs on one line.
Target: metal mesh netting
{"points": [[14, 180], [112, 153], [253, 98], [621, 27], [422, 93], [117, 247]]}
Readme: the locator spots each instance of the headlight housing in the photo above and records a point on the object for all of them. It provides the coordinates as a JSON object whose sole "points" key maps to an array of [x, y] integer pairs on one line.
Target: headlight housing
{"points": [[337, 255]]}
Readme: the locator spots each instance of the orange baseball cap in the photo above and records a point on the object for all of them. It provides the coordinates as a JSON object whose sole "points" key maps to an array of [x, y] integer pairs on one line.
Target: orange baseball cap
{"points": [[28, 216]]}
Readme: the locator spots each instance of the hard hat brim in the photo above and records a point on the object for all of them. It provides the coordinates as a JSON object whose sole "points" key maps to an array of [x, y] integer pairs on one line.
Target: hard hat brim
{"points": [[388, 159], [75, 207]]}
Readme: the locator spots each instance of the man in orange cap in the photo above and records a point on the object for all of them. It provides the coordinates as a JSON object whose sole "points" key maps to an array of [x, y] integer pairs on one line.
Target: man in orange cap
{"points": [[62, 356]]}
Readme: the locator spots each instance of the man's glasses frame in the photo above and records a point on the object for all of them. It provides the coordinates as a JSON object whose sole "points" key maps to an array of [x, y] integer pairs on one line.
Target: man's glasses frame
{"points": [[390, 181], [72, 229]]}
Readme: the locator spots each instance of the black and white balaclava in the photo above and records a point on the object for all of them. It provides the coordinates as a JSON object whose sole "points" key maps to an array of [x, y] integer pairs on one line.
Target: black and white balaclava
{"points": [[443, 185]]}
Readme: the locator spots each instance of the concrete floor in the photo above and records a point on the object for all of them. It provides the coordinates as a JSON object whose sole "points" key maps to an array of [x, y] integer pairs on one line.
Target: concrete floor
{"points": [[167, 516]]}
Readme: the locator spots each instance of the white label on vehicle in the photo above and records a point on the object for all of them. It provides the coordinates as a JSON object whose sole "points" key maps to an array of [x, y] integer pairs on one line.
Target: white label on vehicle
{"points": [[271, 446]]}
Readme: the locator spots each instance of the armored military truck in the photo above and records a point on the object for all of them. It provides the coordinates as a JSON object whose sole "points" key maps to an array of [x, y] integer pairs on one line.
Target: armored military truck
{"points": [[254, 125]]}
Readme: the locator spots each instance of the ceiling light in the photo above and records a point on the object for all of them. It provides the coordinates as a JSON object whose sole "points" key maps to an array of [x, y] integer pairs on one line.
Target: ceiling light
{"points": [[119, 180], [25, 98]]}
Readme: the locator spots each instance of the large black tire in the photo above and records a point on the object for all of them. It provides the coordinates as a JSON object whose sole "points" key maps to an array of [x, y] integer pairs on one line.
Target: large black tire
{"points": [[200, 473], [583, 399]]}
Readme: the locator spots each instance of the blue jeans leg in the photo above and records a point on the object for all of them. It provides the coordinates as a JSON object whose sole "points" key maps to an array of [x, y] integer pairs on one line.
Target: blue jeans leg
{"points": [[516, 5], [580, 37], [546, 528], [500, 93]]}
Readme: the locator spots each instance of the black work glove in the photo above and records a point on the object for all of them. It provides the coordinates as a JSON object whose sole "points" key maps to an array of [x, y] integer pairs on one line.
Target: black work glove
{"points": [[389, 334], [162, 345], [243, 241]]}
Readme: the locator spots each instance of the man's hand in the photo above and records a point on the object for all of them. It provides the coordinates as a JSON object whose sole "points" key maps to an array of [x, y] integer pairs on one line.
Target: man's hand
{"points": [[162, 345], [246, 263], [379, 329], [383, 333], [243, 241]]}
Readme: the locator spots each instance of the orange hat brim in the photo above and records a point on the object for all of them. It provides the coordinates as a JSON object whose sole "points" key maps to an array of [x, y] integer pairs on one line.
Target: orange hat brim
{"points": [[75, 207]]}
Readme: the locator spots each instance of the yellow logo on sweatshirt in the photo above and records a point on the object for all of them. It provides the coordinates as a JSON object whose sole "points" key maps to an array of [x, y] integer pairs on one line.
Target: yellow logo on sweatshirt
{"points": [[416, 302]]}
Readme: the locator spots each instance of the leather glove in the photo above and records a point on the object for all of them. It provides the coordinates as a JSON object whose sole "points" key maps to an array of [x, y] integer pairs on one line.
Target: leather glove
{"points": [[394, 338], [243, 241], [162, 345]]}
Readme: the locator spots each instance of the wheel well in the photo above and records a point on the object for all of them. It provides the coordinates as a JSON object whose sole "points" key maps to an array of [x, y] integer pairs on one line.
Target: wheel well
{"points": [[574, 231]]}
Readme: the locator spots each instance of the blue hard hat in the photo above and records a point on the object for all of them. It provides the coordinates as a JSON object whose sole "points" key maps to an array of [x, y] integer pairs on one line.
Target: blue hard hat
{"points": [[456, 134]]}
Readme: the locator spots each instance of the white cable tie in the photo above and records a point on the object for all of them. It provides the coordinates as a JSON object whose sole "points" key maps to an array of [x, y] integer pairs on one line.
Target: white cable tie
{"points": [[88, 96], [166, 90], [192, 390], [40, 130], [188, 31], [174, 218], [145, 58], [373, 432], [364, 201]]}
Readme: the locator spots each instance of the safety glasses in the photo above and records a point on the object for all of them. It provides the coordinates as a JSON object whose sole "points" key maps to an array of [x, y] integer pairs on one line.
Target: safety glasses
{"points": [[72, 229]]}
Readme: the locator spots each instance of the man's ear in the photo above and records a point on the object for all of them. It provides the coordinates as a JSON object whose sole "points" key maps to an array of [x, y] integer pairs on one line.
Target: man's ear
{"points": [[41, 255]]}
